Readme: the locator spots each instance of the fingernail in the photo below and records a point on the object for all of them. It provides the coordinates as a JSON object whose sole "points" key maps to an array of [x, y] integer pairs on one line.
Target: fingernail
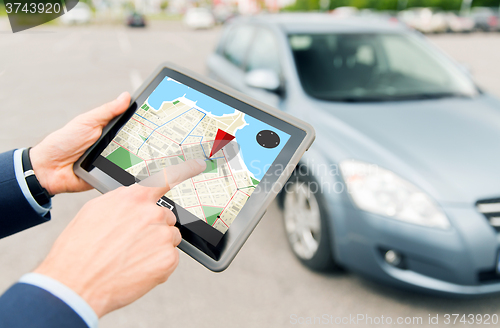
{"points": [[122, 96], [202, 162]]}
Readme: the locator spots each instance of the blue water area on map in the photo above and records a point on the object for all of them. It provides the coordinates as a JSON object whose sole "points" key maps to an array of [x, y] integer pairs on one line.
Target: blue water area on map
{"points": [[256, 158], [169, 90]]}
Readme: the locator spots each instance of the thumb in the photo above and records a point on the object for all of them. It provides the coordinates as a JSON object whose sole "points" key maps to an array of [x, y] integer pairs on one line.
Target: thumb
{"points": [[160, 183], [102, 115]]}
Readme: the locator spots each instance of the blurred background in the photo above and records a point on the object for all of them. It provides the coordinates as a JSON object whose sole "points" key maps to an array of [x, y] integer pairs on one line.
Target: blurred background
{"points": [[396, 209], [429, 16]]}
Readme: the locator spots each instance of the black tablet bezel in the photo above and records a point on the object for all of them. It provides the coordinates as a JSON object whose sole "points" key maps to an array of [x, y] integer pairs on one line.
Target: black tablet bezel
{"points": [[253, 204]]}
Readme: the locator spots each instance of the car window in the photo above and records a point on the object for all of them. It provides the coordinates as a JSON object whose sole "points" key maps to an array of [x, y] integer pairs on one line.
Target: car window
{"points": [[400, 52], [264, 52], [378, 66], [237, 43]]}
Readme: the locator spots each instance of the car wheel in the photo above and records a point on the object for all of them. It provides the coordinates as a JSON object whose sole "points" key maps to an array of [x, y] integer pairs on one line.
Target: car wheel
{"points": [[306, 225]]}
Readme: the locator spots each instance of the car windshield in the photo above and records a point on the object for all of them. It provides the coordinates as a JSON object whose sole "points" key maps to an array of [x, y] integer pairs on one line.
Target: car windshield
{"points": [[375, 67]]}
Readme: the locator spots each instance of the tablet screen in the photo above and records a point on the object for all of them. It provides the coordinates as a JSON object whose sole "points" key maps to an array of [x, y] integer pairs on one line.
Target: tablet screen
{"points": [[177, 123]]}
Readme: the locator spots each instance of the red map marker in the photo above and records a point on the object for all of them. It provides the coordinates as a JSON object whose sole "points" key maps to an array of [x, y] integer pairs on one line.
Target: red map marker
{"points": [[222, 138]]}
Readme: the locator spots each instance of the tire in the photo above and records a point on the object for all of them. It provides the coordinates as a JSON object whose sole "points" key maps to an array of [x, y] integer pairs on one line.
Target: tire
{"points": [[306, 223]]}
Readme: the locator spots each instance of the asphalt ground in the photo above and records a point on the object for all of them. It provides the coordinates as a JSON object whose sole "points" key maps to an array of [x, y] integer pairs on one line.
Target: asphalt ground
{"points": [[50, 74]]}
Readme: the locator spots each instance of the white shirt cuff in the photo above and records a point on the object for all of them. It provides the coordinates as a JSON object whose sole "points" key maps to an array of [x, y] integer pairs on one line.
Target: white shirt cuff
{"points": [[65, 294], [18, 169]]}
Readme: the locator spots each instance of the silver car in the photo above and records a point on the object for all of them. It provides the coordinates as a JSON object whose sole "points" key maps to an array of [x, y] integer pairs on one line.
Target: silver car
{"points": [[403, 182]]}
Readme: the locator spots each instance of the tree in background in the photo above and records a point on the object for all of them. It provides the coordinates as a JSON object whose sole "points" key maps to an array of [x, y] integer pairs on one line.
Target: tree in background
{"points": [[316, 5], [164, 5]]}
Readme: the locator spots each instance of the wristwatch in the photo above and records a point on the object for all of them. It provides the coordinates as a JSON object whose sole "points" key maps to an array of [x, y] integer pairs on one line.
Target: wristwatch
{"points": [[39, 193]]}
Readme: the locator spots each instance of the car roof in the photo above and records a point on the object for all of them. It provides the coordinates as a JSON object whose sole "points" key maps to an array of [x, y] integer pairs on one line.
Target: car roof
{"points": [[323, 22]]}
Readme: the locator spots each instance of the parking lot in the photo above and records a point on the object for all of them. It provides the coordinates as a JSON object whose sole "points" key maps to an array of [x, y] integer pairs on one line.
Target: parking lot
{"points": [[52, 74]]}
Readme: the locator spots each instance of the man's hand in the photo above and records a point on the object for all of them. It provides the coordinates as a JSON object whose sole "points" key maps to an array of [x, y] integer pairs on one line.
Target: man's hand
{"points": [[120, 245], [53, 158]]}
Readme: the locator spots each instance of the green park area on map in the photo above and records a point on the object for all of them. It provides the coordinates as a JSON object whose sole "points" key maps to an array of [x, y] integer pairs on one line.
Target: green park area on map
{"points": [[211, 213], [123, 158], [211, 167]]}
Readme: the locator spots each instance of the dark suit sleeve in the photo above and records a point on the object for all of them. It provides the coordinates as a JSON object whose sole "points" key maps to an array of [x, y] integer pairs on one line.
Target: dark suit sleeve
{"points": [[24, 305], [16, 214], [28, 306]]}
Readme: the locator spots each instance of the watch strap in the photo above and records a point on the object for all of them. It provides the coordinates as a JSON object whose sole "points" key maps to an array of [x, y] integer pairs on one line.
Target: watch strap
{"points": [[39, 193]]}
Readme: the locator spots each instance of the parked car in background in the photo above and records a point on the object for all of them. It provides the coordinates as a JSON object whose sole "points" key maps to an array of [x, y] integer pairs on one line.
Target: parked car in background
{"points": [[135, 19], [485, 19], [223, 13], [425, 20], [377, 14], [459, 24], [80, 14], [345, 11], [199, 18], [401, 184]]}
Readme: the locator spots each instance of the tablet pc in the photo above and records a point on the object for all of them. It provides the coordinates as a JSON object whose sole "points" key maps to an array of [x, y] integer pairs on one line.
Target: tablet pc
{"points": [[250, 149]]}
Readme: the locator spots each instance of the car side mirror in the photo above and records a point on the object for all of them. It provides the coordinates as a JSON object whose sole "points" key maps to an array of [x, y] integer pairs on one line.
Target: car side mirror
{"points": [[263, 79]]}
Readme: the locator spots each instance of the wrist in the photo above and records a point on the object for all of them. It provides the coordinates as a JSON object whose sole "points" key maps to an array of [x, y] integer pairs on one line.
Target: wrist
{"points": [[92, 296], [40, 168]]}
